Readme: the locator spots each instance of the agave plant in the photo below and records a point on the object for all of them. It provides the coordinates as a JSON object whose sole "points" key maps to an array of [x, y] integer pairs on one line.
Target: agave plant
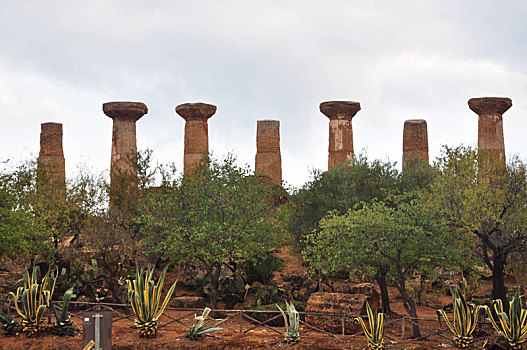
{"points": [[292, 323], [514, 326], [375, 333], [198, 329], [465, 319], [35, 300], [144, 297], [63, 324], [9, 324]]}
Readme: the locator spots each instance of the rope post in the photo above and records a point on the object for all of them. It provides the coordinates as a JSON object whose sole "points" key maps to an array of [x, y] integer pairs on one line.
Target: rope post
{"points": [[241, 321], [343, 325], [402, 329]]}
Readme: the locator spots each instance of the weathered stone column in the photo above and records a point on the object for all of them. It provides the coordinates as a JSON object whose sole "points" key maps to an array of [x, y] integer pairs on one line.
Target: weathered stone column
{"points": [[124, 144], [268, 159], [340, 114], [51, 168], [415, 140], [196, 132], [490, 125]]}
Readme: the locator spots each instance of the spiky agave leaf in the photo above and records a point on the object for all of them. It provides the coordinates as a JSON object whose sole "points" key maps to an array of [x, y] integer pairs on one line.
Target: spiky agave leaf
{"points": [[292, 323], [9, 324], [35, 299], [465, 319], [63, 323], [198, 329], [375, 333], [514, 326], [144, 297]]}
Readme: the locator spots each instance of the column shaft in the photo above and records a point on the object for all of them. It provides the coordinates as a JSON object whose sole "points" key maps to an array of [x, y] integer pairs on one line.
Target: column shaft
{"points": [[340, 114], [196, 133], [415, 140], [490, 125], [123, 172], [268, 161], [51, 168]]}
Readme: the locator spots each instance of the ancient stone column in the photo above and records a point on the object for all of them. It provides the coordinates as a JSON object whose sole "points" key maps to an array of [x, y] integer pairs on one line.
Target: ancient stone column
{"points": [[415, 140], [340, 114], [196, 132], [490, 125], [268, 159], [123, 172], [51, 168]]}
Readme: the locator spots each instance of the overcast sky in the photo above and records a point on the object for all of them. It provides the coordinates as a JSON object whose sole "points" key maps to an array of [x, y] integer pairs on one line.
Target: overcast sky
{"points": [[61, 60]]}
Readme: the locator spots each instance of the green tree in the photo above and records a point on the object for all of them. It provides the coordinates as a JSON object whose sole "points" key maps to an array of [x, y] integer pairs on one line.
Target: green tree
{"points": [[341, 188], [404, 233], [219, 215], [20, 234], [347, 187], [15, 224], [487, 200]]}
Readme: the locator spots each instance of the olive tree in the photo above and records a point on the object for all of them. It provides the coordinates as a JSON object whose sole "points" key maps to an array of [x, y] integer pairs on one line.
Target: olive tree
{"points": [[219, 215], [405, 233]]}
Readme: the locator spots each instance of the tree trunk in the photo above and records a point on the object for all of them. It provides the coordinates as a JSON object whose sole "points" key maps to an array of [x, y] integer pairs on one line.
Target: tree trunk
{"points": [[214, 275], [409, 305], [499, 291], [380, 276]]}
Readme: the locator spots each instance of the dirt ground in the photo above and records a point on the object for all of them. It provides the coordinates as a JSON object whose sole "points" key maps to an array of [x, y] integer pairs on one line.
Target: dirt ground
{"points": [[173, 335]]}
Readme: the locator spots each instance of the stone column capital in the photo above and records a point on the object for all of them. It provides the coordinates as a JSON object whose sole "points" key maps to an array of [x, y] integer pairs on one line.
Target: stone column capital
{"points": [[51, 139], [196, 111], [414, 123], [340, 109], [489, 105], [125, 110]]}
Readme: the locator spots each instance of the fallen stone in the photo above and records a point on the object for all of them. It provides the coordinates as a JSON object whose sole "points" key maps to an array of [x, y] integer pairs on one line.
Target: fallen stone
{"points": [[188, 302], [352, 305]]}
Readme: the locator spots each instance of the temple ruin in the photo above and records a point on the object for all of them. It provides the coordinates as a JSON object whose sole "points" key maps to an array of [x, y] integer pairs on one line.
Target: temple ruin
{"points": [[490, 125], [340, 114], [196, 132], [51, 168], [123, 171], [268, 161], [415, 140]]}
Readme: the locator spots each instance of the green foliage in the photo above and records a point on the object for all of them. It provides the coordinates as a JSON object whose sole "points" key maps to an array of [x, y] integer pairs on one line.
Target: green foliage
{"points": [[487, 202], [198, 329], [261, 269], [63, 322], [407, 233], [144, 297], [36, 299], [9, 324], [465, 319], [292, 323], [468, 289], [340, 189], [375, 334], [219, 215], [265, 295], [16, 220], [201, 286], [513, 327]]}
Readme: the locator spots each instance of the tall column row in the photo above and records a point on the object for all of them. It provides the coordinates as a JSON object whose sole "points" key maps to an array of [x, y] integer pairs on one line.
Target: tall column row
{"points": [[268, 162]]}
